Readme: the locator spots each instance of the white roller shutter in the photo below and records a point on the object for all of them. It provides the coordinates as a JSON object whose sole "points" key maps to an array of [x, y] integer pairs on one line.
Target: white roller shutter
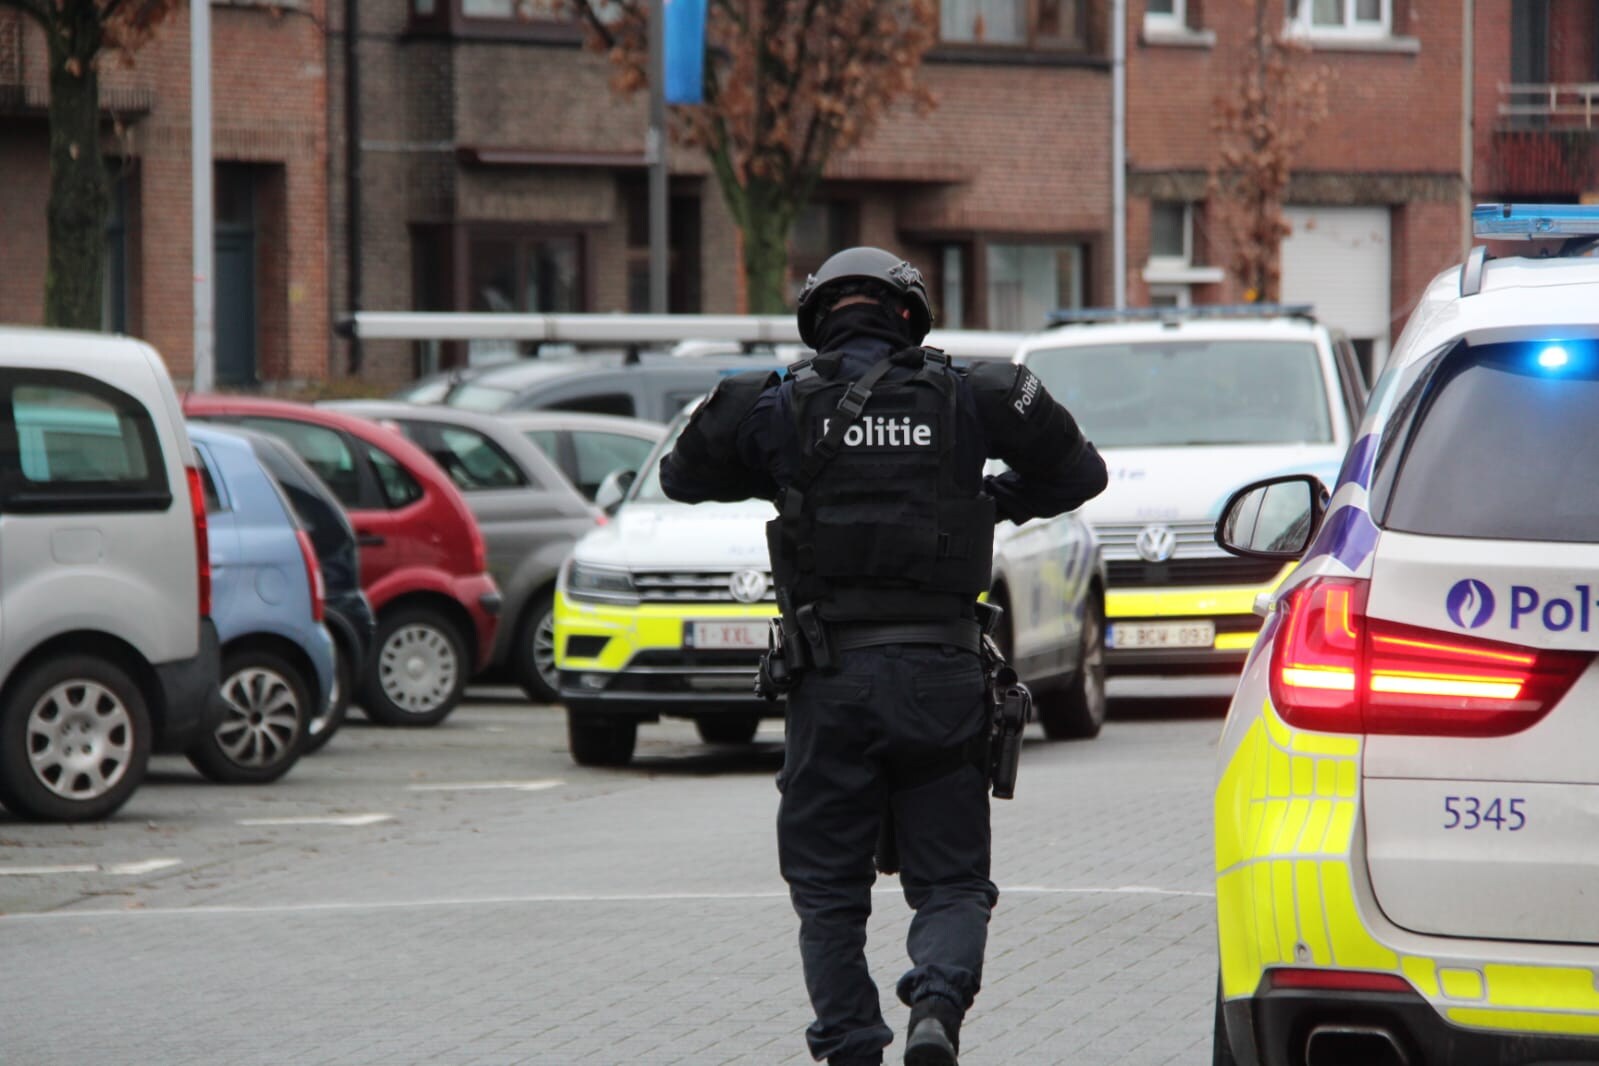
{"points": [[1340, 259]]}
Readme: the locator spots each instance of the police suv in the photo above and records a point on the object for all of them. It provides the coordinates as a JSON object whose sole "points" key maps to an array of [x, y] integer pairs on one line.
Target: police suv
{"points": [[1406, 828], [1187, 404]]}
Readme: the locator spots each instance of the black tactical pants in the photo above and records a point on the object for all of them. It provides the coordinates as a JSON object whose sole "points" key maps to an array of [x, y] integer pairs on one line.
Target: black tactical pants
{"points": [[885, 711]]}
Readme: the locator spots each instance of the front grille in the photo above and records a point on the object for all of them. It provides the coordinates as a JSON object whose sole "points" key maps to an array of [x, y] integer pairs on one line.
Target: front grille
{"points": [[684, 586], [1198, 570], [1120, 540]]}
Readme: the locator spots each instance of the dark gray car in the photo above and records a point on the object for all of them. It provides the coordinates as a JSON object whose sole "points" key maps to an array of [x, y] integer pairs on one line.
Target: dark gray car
{"points": [[655, 388], [528, 511]]}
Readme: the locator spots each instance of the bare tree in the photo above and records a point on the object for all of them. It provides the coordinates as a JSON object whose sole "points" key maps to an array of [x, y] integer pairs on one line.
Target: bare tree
{"points": [[1277, 101], [80, 33], [788, 84]]}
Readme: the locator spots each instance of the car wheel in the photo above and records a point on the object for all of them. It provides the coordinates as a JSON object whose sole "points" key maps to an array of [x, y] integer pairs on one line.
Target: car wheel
{"points": [[74, 741], [728, 728], [535, 665], [331, 720], [1077, 712], [418, 670], [266, 708], [596, 741], [1221, 1048]]}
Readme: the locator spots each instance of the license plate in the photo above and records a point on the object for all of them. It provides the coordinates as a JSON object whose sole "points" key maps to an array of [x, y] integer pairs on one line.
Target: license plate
{"points": [[1162, 634], [726, 635]]}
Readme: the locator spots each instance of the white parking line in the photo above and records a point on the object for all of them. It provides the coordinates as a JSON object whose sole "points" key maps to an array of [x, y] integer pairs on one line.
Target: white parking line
{"points": [[486, 786], [321, 819], [497, 901], [116, 869]]}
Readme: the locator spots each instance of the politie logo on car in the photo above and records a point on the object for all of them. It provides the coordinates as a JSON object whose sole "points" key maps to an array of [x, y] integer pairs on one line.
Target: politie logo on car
{"points": [[1470, 603]]}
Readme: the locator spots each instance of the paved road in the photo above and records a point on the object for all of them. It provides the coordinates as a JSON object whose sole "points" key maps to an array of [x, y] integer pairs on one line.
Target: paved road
{"points": [[466, 896]]}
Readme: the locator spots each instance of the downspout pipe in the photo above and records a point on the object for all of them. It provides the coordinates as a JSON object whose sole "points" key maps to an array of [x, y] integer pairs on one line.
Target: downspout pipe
{"points": [[352, 172], [1118, 152]]}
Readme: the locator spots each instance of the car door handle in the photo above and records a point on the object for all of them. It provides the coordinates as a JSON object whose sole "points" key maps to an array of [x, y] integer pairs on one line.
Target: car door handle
{"points": [[370, 540]]}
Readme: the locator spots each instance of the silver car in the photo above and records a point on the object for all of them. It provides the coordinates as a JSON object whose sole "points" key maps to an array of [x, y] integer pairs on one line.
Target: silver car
{"points": [[525, 504]]}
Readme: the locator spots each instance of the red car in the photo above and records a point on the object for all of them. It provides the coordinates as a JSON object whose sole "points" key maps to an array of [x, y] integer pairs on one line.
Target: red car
{"points": [[422, 557]]}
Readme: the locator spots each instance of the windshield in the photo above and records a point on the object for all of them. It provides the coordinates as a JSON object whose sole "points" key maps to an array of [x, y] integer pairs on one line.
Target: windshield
{"points": [[481, 398], [1151, 394]]}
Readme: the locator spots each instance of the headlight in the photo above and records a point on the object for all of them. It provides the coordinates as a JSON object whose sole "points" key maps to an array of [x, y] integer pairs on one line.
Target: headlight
{"points": [[603, 583]]}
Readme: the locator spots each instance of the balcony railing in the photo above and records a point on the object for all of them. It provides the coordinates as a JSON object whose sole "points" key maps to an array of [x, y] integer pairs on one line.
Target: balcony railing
{"points": [[1544, 106]]}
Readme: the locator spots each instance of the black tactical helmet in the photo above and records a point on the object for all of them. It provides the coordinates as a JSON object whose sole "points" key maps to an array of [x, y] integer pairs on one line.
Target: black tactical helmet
{"points": [[863, 270]]}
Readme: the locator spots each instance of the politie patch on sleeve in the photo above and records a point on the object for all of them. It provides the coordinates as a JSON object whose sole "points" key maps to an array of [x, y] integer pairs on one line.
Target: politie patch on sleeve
{"points": [[1023, 398]]}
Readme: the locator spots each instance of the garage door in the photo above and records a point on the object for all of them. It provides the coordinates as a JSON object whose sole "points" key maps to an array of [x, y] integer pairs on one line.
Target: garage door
{"points": [[1340, 259]]}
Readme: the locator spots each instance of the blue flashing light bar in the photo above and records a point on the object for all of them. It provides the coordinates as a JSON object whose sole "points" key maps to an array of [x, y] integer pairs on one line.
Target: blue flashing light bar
{"points": [[1088, 315], [1522, 222]]}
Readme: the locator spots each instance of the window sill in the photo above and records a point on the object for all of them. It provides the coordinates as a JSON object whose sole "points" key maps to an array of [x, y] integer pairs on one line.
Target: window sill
{"points": [[1319, 42], [1177, 37], [1177, 274], [1014, 56]]}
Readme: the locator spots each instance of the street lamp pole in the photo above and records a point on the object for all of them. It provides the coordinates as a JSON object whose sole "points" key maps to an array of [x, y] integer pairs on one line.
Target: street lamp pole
{"points": [[655, 157], [200, 158]]}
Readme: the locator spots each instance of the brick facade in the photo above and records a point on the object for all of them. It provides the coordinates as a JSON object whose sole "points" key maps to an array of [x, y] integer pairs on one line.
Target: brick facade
{"points": [[269, 104], [1393, 138]]}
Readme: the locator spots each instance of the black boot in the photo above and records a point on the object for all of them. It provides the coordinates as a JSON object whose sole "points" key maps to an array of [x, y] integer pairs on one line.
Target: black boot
{"points": [[935, 1033]]}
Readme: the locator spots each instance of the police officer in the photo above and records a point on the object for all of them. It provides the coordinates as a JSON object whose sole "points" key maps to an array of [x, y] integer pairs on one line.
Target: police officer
{"points": [[873, 452]]}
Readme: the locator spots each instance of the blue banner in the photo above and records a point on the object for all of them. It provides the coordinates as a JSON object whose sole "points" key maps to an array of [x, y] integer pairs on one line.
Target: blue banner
{"points": [[685, 51]]}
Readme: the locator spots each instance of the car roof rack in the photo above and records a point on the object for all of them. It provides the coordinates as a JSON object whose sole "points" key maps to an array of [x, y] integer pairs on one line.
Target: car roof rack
{"points": [[1575, 226], [1078, 316]]}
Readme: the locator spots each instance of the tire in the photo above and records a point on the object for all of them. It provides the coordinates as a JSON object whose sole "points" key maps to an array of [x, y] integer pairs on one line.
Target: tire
{"points": [[418, 670], [266, 713], [1221, 1047], [1077, 712], [728, 728], [74, 741], [330, 721], [596, 741], [535, 652]]}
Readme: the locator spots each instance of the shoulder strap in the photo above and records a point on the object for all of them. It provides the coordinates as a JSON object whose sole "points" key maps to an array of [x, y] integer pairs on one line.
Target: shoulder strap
{"points": [[850, 407]]}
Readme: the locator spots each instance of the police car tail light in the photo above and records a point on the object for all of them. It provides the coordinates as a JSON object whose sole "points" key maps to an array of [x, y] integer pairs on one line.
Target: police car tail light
{"points": [[1315, 674], [1338, 671], [1423, 681]]}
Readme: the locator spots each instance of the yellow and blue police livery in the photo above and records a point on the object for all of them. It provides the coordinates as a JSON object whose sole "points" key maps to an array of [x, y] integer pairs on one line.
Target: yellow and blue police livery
{"points": [[1404, 829]]}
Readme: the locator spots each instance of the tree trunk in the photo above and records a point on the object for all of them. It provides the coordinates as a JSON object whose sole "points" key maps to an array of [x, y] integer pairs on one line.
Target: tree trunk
{"points": [[78, 188], [765, 229]]}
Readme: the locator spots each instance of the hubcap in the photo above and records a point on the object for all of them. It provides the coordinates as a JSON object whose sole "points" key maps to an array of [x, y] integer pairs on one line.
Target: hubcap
{"points": [[417, 668], [1094, 663], [80, 740], [544, 651], [263, 717]]}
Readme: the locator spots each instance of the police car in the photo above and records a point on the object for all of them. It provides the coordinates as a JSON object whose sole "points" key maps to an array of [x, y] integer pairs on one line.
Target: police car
{"points": [[664, 611], [1405, 821], [1186, 405]]}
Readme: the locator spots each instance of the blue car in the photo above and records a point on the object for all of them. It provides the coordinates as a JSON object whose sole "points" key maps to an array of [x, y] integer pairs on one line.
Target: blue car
{"points": [[267, 602]]}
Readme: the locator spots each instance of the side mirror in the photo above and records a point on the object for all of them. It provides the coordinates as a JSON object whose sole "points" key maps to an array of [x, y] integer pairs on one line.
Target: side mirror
{"points": [[613, 490], [1273, 519]]}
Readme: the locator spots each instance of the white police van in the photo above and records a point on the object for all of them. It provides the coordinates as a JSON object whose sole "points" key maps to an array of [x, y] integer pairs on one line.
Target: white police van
{"points": [[1407, 814]]}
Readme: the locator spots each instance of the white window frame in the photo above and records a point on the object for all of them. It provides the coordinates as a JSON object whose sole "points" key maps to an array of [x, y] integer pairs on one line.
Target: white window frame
{"points": [[1159, 20], [1300, 24], [1186, 259], [1183, 294]]}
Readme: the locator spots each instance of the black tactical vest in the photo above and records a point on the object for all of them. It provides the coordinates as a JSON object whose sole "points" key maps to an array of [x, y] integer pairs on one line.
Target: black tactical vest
{"points": [[882, 531]]}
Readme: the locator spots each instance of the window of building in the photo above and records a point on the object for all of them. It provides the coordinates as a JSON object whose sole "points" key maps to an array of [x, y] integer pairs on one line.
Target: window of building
{"points": [[1165, 14], [824, 226], [1364, 18], [1171, 232], [523, 19], [1170, 296], [1173, 267], [1028, 281], [534, 272], [952, 287], [115, 259], [682, 248], [1018, 23], [522, 10]]}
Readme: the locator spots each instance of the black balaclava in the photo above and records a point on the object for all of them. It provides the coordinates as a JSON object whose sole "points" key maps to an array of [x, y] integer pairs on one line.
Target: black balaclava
{"points": [[862, 320]]}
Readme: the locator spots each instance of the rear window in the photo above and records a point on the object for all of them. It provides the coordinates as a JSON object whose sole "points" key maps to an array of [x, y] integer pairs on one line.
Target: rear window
{"points": [[1151, 394], [72, 434], [481, 398], [598, 454], [1504, 448], [324, 450]]}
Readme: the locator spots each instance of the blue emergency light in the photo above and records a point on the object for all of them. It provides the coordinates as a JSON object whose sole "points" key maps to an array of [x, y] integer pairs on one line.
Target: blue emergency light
{"points": [[1535, 221], [1553, 357]]}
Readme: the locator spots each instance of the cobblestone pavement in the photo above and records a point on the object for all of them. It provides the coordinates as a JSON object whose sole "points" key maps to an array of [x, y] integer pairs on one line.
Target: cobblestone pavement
{"points": [[482, 901]]}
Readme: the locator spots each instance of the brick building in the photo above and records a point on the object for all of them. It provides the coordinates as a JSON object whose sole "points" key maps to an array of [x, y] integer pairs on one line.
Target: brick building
{"points": [[1536, 104], [269, 103], [499, 171], [1378, 193]]}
